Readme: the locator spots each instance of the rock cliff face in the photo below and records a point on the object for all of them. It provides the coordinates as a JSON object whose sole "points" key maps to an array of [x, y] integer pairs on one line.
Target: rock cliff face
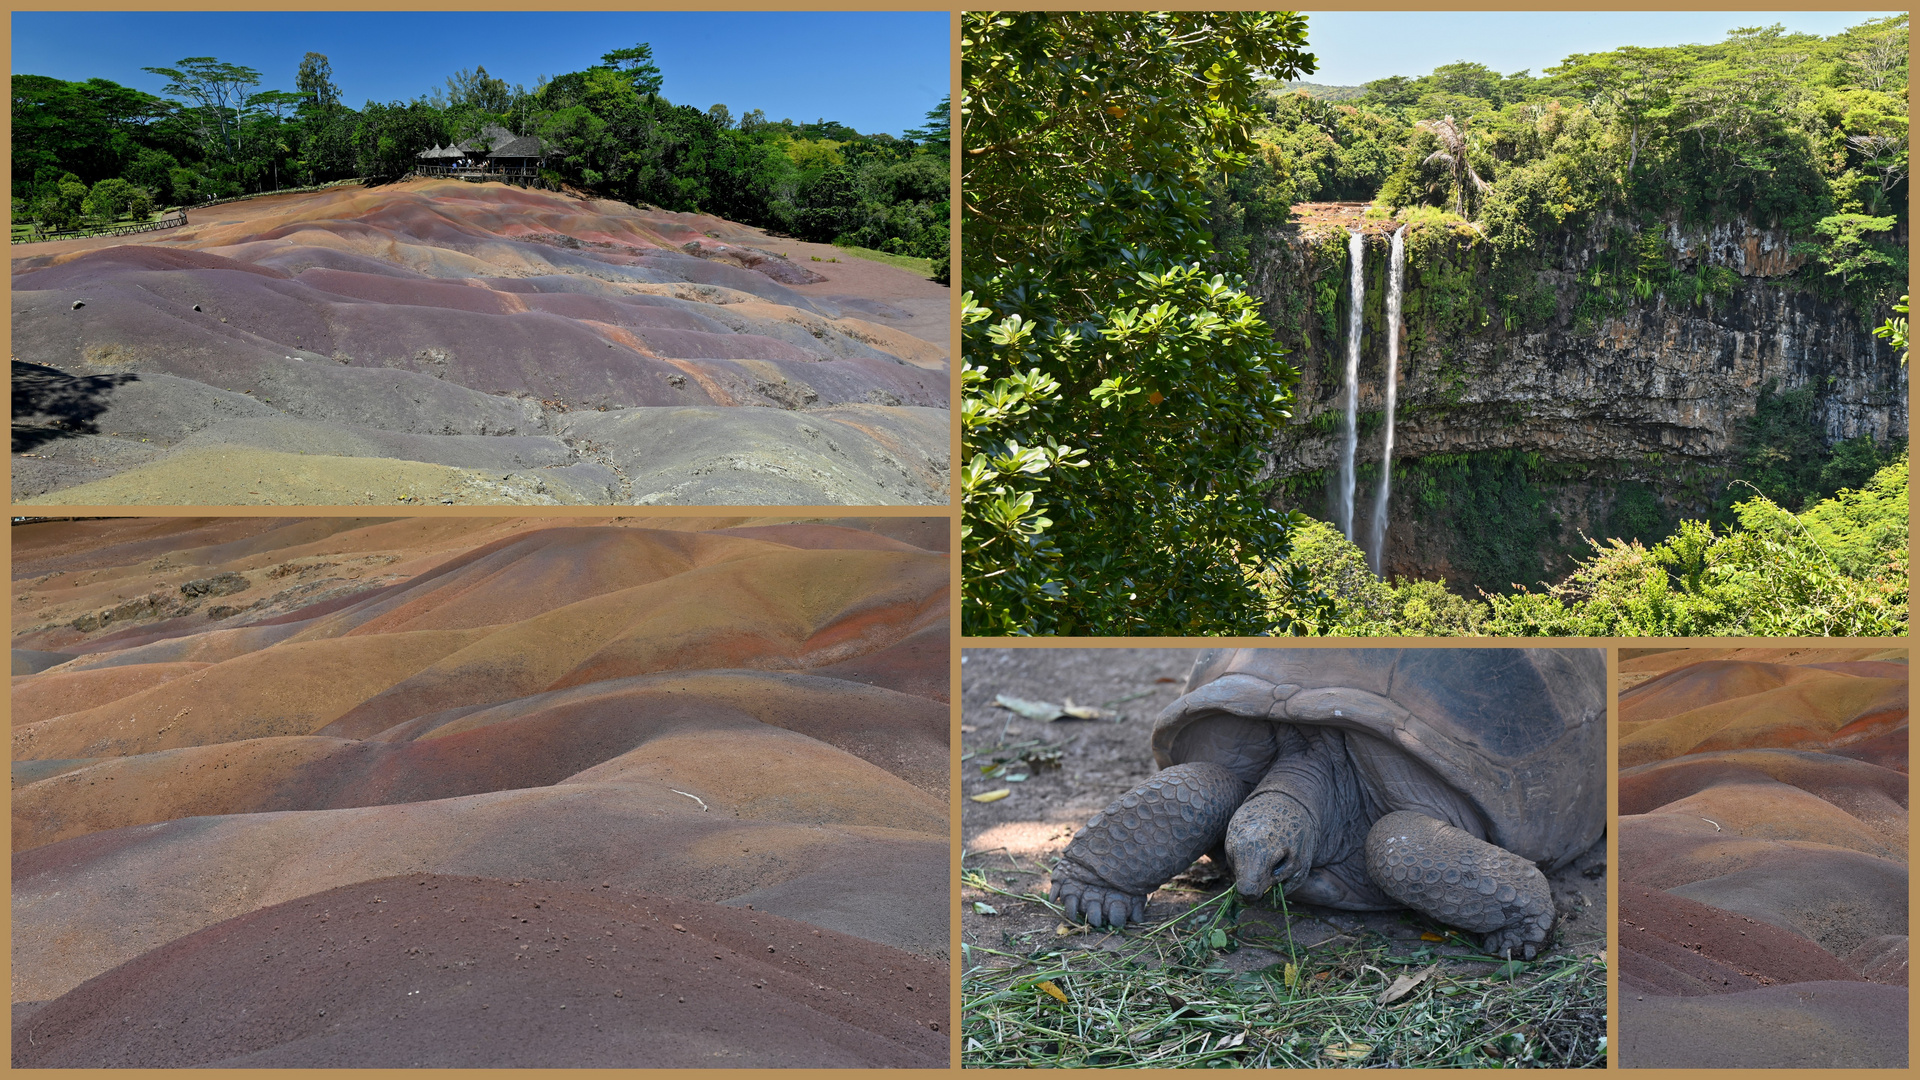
{"points": [[1641, 389]]}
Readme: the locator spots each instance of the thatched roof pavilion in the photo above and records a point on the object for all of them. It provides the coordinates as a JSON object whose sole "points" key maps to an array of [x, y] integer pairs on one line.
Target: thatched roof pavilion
{"points": [[494, 152]]}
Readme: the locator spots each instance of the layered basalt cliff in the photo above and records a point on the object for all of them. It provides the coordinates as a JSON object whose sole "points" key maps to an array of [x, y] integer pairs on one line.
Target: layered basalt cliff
{"points": [[1554, 360]]}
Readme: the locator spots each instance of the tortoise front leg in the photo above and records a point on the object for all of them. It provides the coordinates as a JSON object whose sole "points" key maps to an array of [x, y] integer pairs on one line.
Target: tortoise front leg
{"points": [[1455, 877], [1146, 837]]}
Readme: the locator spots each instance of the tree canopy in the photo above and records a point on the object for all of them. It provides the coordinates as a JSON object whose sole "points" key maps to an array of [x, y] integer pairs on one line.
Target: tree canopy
{"points": [[1789, 130], [1118, 377], [215, 133]]}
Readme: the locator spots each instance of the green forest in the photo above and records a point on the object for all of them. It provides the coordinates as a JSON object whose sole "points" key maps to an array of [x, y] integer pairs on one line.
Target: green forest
{"points": [[1793, 130], [1121, 174], [96, 151]]}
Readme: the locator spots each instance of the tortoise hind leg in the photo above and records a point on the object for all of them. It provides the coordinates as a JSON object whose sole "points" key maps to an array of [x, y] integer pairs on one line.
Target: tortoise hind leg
{"points": [[1455, 877], [1144, 838]]}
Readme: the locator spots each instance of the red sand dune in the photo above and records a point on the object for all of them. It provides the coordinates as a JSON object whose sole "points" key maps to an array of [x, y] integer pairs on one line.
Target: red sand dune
{"points": [[1681, 946], [1763, 855], [726, 711], [442, 971], [472, 327]]}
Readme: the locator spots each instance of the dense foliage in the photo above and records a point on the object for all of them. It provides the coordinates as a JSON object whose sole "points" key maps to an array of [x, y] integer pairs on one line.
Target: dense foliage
{"points": [[1795, 130], [1837, 569], [1784, 453], [215, 134], [1118, 378]]}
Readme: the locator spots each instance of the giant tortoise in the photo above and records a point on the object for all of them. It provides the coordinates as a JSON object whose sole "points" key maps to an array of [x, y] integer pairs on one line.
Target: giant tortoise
{"points": [[1367, 779]]}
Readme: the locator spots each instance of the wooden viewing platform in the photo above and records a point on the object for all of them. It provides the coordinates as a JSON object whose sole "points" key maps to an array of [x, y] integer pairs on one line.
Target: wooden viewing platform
{"points": [[496, 154], [487, 171]]}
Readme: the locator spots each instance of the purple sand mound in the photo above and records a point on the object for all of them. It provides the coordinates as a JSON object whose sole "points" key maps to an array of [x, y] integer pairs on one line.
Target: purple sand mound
{"points": [[432, 309], [528, 744], [31, 662], [1763, 916], [440, 971], [915, 666], [697, 744], [76, 912], [1889, 751], [1882, 959], [1672, 945], [1809, 1025], [1837, 901]]}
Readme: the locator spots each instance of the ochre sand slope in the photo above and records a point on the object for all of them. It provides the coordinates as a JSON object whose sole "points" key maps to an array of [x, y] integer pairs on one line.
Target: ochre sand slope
{"points": [[437, 341], [1727, 705], [1763, 852], [226, 715], [439, 971]]}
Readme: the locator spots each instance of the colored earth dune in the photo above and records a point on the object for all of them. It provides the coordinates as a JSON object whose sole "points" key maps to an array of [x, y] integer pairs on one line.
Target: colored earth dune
{"points": [[480, 792], [442, 342], [1763, 858]]}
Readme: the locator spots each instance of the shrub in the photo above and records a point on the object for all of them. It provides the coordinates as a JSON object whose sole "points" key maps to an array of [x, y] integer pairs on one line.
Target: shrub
{"points": [[63, 207], [140, 204], [108, 199]]}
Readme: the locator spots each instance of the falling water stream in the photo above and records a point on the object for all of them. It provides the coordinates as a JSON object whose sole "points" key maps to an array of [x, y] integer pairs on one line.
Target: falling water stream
{"points": [[1396, 270], [1356, 255]]}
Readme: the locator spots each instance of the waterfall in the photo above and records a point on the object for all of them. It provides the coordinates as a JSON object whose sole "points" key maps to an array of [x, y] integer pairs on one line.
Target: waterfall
{"points": [[1396, 270], [1343, 507]]}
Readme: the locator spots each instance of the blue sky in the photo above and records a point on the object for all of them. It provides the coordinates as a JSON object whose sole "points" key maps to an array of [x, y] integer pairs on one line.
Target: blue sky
{"points": [[1355, 47], [873, 71]]}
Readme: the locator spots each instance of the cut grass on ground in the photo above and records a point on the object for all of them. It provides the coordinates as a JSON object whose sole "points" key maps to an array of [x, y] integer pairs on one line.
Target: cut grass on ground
{"points": [[1168, 997], [923, 267]]}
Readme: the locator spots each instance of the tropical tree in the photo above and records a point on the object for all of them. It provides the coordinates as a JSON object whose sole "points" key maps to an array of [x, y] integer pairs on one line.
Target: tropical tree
{"points": [[314, 81], [109, 199], [1631, 86], [62, 205], [217, 91], [1118, 378], [92, 129], [636, 66], [938, 130], [1452, 154]]}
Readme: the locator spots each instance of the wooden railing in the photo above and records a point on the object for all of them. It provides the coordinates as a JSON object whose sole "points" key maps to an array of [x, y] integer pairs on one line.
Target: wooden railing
{"points": [[171, 221], [174, 220], [280, 191], [486, 172]]}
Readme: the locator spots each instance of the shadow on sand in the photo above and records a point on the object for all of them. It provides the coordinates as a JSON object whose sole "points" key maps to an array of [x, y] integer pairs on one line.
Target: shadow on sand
{"points": [[50, 404]]}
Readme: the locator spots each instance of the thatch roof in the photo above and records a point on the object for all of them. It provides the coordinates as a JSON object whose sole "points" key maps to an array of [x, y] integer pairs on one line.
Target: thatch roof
{"points": [[503, 144], [438, 153], [519, 146]]}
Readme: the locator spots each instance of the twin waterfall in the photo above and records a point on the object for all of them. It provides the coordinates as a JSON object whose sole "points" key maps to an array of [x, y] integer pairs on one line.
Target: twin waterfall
{"points": [[1343, 503], [1356, 256]]}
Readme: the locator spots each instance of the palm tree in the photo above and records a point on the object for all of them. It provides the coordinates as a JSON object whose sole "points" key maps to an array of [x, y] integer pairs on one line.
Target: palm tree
{"points": [[1453, 154]]}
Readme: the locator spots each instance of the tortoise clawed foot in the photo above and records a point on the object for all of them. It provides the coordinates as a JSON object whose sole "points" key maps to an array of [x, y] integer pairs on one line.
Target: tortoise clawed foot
{"points": [[1084, 897], [1522, 941]]}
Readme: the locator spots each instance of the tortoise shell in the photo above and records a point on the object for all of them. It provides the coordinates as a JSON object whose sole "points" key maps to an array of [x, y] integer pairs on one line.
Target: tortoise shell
{"points": [[1519, 735]]}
